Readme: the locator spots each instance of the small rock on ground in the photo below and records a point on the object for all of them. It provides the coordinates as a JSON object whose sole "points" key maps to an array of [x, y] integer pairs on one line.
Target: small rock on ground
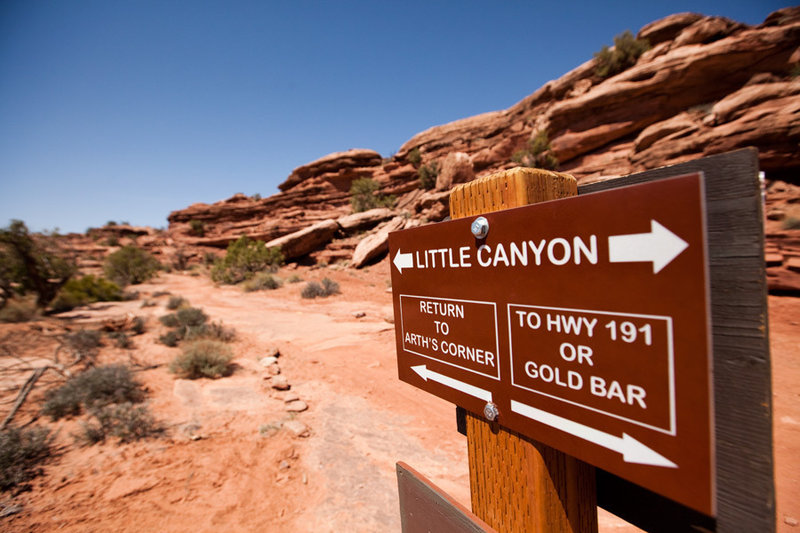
{"points": [[290, 397], [359, 314], [296, 406], [268, 361], [280, 383], [296, 428]]}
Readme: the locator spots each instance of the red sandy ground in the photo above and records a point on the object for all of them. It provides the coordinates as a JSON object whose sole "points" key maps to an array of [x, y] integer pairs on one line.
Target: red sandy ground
{"points": [[225, 465]]}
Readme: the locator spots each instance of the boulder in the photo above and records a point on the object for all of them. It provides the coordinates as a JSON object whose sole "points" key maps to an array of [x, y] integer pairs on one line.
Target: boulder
{"points": [[306, 240], [668, 28], [365, 219], [456, 168], [376, 244]]}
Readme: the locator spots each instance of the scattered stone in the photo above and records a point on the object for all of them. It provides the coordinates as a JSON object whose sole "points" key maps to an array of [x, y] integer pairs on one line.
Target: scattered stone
{"points": [[297, 406], [290, 397], [268, 361], [284, 465], [296, 428], [280, 383], [376, 364], [305, 479], [359, 314], [790, 520], [273, 370], [272, 352], [195, 437]]}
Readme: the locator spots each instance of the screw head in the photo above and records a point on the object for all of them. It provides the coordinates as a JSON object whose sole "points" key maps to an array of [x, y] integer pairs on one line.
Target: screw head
{"points": [[480, 227], [490, 412]]}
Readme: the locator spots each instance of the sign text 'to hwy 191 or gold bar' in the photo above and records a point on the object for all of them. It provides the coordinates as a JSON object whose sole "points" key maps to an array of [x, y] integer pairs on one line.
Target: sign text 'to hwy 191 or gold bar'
{"points": [[583, 320]]}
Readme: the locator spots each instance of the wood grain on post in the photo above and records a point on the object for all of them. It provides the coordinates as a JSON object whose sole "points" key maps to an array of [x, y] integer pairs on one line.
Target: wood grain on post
{"points": [[517, 484]]}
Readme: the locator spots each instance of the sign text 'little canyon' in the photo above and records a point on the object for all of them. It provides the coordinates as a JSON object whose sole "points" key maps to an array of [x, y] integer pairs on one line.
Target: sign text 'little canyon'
{"points": [[659, 246]]}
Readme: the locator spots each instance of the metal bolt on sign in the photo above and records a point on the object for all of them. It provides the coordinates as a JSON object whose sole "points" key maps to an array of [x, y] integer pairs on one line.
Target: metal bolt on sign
{"points": [[490, 412], [480, 227]]}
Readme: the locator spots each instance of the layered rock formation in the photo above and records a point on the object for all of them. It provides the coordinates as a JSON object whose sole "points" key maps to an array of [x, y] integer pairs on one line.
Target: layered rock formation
{"points": [[707, 85]]}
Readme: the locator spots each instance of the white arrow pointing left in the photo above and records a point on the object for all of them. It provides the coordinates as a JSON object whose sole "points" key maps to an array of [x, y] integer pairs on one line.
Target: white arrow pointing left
{"points": [[402, 261], [660, 246], [466, 388], [631, 449]]}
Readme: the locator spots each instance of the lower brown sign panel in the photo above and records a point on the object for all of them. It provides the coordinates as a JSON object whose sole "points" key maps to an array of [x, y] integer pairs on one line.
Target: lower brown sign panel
{"points": [[583, 320], [424, 508]]}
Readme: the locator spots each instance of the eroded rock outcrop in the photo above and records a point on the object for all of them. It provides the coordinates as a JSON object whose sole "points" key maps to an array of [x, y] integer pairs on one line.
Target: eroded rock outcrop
{"points": [[707, 85]]}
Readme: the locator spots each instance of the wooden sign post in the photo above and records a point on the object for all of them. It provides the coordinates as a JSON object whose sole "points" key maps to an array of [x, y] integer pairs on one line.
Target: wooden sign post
{"points": [[517, 484]]}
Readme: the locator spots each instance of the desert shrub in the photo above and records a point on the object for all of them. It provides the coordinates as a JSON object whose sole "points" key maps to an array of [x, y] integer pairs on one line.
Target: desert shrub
{"points": [[31, 263], [197, 227], [191, 323], [211, 330], [138, 325], [256, 197], [414, 157], [121, 339], [186, 317], [243, 259], [537, 153], [124, 421], [791, 223], [626, 51], [364, 195], [19, 309], [130, 265], [209, 258], [83, 343], [175, 302], [261, 281], [21, 452], [170, 338], [180, 261], [203, 358], [86, 290], [316, 290], [427, 175], [294, 278], [94, 388]]}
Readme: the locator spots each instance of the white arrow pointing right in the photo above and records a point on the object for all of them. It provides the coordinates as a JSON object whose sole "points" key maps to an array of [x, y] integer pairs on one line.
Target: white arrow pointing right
{"points": [[402, 261], [631, 449], [660, 246]]}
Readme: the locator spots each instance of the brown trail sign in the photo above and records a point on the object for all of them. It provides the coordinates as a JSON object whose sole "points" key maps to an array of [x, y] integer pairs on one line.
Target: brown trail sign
{"points": [[584, 323], [583, 320]]}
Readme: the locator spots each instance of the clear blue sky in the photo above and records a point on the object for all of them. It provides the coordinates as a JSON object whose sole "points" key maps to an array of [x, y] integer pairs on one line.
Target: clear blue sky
{"points": [[127, 110]]}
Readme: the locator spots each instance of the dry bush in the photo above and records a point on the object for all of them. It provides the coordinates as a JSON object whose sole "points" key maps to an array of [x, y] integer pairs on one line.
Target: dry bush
{"points": [[124, 421], [261, 281], [94, 388], [316, 290], [203, 358], [20, 309], [176, 302], [21, 453]]}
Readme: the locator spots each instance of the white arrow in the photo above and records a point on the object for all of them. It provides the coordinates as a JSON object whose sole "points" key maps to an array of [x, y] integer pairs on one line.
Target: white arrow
{"points": [[631, 449], [659, 246], [402, 261], [466, 388]]}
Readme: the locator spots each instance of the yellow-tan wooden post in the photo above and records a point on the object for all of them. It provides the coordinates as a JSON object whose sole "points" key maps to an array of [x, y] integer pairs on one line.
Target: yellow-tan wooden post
{"points": [[516, 484]]}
